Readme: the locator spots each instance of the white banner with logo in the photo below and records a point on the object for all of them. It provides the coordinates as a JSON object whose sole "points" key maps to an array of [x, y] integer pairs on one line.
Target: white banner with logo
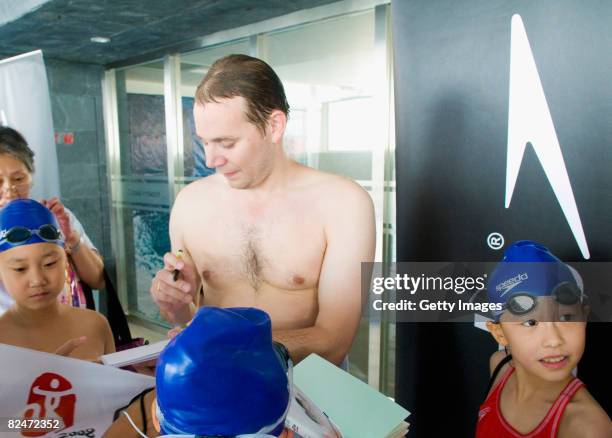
{"points": [[26, 107], [73, 397]]}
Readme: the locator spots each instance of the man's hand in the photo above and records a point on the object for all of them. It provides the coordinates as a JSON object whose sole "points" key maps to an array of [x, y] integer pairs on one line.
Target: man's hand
{"points": [[69, 346], [174, 297]]}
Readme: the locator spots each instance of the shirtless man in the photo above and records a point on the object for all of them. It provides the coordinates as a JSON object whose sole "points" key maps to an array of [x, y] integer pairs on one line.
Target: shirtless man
{"points": [[265, 231]]}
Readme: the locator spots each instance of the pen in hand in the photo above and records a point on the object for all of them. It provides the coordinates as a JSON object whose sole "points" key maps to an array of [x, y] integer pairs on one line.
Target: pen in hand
{"points": [[175, 275], [176, 272]]}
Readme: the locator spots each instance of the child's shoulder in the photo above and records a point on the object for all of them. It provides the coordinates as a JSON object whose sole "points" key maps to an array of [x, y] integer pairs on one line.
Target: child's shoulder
{"points": [[94, 325], [5, 325], [82, 313], [4, 317], [86, 317], [585, 418], [9, 326]]}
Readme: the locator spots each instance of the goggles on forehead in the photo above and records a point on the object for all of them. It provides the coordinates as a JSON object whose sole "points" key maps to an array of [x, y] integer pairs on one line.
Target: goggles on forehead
{"points": [[565, 293], [18, 235], [262, 433], [283, 355]]}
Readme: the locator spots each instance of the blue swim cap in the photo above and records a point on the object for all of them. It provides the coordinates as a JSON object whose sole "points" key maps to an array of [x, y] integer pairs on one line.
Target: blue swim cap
{"points": [[221, 376], [25, 222], [528, 268]]}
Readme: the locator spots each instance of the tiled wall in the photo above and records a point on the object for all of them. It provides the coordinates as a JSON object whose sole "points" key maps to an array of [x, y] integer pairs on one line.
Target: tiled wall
{"points": [[76, 103]]}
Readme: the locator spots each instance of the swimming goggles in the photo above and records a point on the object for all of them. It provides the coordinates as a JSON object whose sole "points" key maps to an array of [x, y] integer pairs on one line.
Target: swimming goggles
{"points": [[565, 301], [19, 235], [565, 293]]}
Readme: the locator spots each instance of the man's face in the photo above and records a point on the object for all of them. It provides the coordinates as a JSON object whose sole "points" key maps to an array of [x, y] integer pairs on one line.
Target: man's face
{"points": [[233, 145], [548, 350], [34, 274]]}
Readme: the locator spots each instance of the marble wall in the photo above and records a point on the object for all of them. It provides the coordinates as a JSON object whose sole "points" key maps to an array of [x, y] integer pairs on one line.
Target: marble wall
{"points": [[76, 102]]}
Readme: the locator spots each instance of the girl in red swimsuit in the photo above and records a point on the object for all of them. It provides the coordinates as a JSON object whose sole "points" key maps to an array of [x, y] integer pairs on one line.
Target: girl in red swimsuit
{"points": [[542, 322]]}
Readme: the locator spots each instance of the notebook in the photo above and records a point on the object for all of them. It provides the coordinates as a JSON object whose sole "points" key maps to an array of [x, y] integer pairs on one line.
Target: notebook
{"points": [[357, 409], [134, 355]]}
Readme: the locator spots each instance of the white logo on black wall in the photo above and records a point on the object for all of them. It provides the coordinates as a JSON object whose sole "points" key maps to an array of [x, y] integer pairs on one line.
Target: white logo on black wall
{"points": [[529, 120], [495, 241]]}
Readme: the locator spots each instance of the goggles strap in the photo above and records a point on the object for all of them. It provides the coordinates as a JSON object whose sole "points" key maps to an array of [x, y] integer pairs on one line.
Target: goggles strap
{"points": [[133, 425]]}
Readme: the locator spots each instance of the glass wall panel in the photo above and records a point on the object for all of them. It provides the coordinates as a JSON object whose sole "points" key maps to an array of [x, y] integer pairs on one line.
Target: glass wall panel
{"points": [[328, 74], [142, 185]]}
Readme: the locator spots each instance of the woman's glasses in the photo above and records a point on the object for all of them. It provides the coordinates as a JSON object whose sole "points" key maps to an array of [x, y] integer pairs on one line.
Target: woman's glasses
{"points": [[16, 187]]}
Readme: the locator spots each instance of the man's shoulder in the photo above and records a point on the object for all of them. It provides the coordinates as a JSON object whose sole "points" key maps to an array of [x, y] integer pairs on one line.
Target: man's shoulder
{"points": [[193, 193], [332, 187], [201, 186], [585, 417], [341, 203]]}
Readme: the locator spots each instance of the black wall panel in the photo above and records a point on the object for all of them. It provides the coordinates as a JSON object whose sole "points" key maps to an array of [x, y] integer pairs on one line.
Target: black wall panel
{"points": [[452, 70]]}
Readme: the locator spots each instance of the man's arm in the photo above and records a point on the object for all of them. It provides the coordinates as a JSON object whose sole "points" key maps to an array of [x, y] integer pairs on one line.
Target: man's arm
{"points": [[350, 235]]}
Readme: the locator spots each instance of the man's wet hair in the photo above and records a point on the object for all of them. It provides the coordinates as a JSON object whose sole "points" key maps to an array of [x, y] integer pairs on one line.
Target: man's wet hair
{"points": [[249, 78]]}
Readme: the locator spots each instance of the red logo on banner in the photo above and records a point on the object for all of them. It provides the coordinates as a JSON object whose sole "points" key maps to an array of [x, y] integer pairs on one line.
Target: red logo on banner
{"points": [[50, 397]]}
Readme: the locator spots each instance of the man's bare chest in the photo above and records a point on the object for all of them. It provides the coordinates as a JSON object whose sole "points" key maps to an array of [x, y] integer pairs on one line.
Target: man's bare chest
{"points": [[284, 249]]}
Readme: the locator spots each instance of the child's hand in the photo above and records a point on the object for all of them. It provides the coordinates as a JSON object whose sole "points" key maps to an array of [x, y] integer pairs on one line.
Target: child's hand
{"points": [[70, 346]]}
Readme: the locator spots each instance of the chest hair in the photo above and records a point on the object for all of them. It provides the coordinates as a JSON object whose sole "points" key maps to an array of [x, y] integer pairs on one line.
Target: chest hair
{"points": [[252, 260]]}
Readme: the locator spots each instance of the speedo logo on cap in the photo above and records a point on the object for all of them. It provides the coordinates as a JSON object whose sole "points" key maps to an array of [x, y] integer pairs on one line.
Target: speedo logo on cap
{"points": [[3, 234], [507, 285]]}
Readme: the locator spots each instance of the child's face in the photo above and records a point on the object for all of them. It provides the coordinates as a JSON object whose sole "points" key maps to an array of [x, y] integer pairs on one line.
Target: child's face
{"points": [[34, 274], [548, 350]]}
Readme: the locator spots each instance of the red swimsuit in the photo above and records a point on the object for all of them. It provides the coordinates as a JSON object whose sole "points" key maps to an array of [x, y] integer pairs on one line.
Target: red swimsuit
{"points": [[491, 423]]}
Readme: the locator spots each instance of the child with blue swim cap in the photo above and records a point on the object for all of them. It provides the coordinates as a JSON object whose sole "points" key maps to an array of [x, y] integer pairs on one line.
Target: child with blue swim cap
{"points": [[33, 271], [541, 324], [223, 377]]}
